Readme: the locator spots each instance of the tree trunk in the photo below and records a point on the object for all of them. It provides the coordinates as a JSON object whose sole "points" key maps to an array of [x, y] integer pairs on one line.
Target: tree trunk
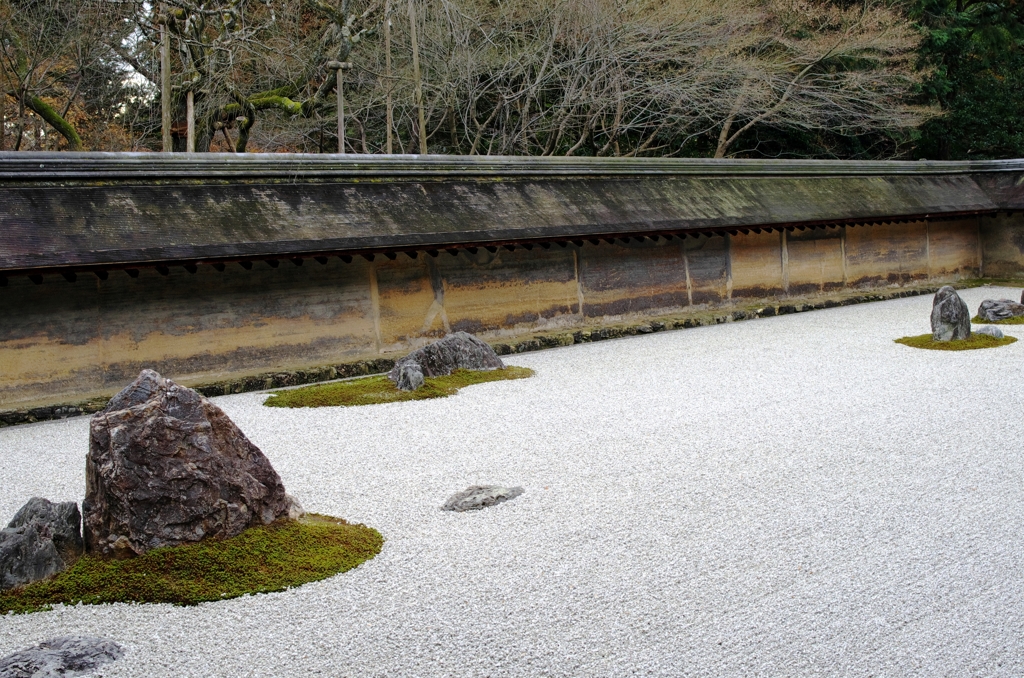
{"points": [[165, 87], [341, 109], [53, 118], [190, 113], [21, 122], [723, 136], [387, 76], [416, 77]]}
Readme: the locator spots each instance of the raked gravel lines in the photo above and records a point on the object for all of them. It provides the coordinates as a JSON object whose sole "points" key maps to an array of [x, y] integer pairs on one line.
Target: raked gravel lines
{"points": [[789, 496]]}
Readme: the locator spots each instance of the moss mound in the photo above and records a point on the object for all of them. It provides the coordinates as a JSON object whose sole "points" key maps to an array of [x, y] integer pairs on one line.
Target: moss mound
{"points": [[260, 560], [1016, 320], [975, 341], [379, 389]]}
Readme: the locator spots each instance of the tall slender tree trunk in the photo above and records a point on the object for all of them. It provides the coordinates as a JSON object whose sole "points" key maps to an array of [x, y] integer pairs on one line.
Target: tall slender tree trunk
{"points": [[165, 86], [341, 107], [416, 77], [190, 112], [387, 76]]}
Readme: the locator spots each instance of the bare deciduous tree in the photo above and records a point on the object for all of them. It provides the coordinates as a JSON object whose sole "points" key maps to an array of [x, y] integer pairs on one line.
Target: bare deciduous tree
{"points": [[530, 77]]}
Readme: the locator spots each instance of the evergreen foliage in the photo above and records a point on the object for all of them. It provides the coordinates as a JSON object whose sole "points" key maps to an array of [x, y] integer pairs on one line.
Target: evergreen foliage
{"points": [[973, 49]]}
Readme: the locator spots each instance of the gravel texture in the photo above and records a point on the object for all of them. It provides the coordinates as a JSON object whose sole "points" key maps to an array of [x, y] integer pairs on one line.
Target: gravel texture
{"points": [[795, 495]]}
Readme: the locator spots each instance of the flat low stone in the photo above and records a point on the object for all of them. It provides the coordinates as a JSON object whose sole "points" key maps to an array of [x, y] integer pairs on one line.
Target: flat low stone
{"points": [[951, 319], [457, 351], [991, 331], [63, 656], [41, 540], [480, 496], [167, 467], [994, 310]]}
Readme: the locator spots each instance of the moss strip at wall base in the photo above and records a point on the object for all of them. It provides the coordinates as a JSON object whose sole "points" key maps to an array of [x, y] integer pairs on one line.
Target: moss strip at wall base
{"points": [[272, 380]]}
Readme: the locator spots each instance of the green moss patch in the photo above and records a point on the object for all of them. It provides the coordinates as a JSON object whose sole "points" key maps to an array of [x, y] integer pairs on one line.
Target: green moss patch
{"points": [[261, 559], [379, 389], [1016, 320], [975, 341]]}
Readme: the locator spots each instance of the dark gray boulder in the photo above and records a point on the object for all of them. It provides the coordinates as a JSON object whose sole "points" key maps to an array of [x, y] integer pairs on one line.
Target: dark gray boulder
{"points": [[990, 331], [951, 319], [480, 496], [457, 351], [167, 467], [64, 656], [41, 540], [993, 310]]}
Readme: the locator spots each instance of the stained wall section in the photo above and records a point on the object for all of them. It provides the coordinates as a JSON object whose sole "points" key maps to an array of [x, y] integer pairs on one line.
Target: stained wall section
{"points": [[1002, 246], [62, 341]]}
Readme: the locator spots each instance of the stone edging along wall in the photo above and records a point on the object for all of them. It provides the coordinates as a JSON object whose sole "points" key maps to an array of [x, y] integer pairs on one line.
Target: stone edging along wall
{"points": [[272, 380]]}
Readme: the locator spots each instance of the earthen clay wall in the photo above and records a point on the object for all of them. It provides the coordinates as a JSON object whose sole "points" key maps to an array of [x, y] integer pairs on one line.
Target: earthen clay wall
{"points": [[64, 341]]}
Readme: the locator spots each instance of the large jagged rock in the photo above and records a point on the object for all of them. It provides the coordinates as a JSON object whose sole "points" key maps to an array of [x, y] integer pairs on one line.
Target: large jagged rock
{"points": [[457, 351], [951, 319], [41, 540], [994, 310], [64, 656], [167, 467]]}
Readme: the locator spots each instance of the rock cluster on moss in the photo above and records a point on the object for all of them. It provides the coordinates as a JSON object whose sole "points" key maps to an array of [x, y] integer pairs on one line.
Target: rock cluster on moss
{"points": [[997, 310], [457, 351], [168, 470], [167, 467]]}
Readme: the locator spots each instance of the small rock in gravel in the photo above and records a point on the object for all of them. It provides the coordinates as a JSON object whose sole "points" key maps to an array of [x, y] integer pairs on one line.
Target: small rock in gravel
{"points": [[64, 656], [167, 467], [42, 540], [410, 377], [991, 331], [457, 351], [999, 309], [480, 496], [951, 319]]}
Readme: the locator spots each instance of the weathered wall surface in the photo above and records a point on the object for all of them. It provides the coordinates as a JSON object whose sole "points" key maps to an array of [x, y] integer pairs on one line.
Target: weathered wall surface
{"points": [[1002, 246], [63, 341]]}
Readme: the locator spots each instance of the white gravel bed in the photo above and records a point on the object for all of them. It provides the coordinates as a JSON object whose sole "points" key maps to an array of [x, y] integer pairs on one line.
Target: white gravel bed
{"points": [[789, 496]]}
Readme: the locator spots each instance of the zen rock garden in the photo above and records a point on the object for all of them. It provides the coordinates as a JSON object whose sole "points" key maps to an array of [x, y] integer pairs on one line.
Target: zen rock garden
{"points": [[618, 496], [165, 468]]}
